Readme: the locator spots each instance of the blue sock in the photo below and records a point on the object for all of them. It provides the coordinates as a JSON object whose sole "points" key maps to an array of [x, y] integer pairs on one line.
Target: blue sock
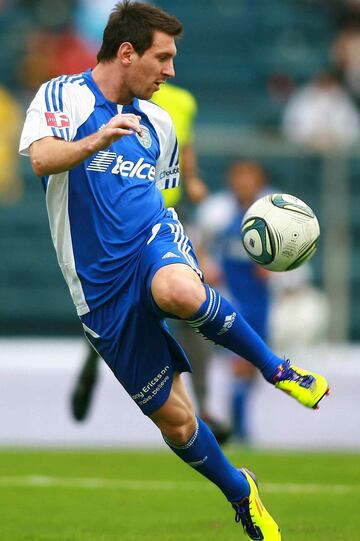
{"points": [[220, 322], [202, 452]]}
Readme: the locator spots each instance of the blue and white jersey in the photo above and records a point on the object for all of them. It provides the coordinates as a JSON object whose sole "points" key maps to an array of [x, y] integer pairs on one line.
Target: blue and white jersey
{"points": [[101, 212]]}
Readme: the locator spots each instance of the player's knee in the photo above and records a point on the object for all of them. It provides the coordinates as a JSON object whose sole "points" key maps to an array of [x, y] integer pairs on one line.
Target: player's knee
{"points": [[180, 433], [179, 295], [176, 423]]}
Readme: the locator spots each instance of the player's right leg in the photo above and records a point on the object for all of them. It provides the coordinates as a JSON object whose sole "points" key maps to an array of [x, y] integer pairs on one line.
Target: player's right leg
{"points": [[191, 439], [177, 290]]}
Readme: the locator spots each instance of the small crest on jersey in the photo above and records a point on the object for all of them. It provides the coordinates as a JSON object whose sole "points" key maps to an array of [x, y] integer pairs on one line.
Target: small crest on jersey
{"points": [[145, 137], [57, 119]]}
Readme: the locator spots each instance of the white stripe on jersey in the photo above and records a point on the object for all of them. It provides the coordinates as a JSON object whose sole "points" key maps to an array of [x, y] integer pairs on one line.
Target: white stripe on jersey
{"points": [[167, 166], [181, 239], [101, 161], [78, 103], [57, 204]]}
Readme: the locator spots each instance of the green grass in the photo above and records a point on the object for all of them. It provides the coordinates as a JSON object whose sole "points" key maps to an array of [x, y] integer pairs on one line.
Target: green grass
{"points": [[94, 496]]}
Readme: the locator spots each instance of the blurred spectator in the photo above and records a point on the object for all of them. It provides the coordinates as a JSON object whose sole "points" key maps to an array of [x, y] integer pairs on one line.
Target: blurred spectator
{"points": [[346, 55], [352, 8], [10, 125], [182, 107], [219, 218], [50, 54], [280, 86], [35, 66], [69, 53], [51, 14], [294, 293], [321, 115]]}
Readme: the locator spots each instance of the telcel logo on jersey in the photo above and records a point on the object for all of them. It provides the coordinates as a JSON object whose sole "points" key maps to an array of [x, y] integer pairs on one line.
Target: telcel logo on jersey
{"points": [[127, 168]]}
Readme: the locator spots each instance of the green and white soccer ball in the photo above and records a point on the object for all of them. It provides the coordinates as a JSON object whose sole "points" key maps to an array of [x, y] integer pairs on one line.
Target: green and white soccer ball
{"points": [[280, 232]]}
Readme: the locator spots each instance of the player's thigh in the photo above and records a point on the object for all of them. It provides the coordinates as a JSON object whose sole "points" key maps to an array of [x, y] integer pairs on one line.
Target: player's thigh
{"points": [[139, 349], [168, 257]]}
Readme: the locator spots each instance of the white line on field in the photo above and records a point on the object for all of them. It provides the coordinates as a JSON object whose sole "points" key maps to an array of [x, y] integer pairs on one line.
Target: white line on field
{"points": [[131, 484]]}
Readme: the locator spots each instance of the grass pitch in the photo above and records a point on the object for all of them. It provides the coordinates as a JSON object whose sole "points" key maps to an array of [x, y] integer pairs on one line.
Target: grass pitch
{"points": [[132, 496]]}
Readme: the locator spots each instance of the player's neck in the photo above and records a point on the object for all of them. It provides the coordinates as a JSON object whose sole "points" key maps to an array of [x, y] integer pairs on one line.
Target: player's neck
{"points": [[111, 83]]}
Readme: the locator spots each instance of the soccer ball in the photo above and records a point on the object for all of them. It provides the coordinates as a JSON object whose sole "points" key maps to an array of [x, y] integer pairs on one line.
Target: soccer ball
{"points": [[280, 232]]}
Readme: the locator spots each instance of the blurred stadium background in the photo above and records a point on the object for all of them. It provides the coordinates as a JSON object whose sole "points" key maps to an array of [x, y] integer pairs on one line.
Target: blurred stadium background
{"points": [[242, 59]]}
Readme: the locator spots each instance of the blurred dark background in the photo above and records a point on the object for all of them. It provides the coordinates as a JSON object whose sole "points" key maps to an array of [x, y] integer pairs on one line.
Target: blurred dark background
{"points": [[243, 60]]}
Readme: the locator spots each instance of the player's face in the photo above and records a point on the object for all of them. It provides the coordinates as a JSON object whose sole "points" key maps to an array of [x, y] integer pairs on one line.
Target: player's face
{"points": [[154, 67], [246, 180]]}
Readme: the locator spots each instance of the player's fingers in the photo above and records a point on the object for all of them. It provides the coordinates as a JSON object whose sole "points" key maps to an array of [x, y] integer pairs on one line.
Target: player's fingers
{"points": [[120, 132], [127, 122], [126, 116]]}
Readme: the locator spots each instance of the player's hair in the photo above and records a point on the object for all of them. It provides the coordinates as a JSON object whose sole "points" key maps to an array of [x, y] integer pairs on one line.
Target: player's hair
{"points": [[136, 23]]}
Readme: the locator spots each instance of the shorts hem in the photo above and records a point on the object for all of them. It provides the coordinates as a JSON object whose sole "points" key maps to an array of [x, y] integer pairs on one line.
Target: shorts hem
{"points": [[159, 403]]}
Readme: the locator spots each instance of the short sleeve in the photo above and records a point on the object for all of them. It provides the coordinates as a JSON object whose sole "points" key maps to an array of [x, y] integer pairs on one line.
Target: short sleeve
{"points": [[49, 115]]}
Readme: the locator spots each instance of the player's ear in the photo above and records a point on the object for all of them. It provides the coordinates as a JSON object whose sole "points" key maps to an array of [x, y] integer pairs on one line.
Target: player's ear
{"points": [[125, 53]]}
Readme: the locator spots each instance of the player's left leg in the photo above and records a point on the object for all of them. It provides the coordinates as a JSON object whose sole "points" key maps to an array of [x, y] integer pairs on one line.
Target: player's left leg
{"points": [[178, 291], [190, 438]]}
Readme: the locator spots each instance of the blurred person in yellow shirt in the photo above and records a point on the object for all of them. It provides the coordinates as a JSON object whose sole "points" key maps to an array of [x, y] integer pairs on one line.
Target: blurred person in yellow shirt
{"points": [[10, 123], [181, 106]]}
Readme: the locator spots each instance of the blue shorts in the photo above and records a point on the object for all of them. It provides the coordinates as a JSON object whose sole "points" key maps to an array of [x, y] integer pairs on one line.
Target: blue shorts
{"points": [[130, 332]]}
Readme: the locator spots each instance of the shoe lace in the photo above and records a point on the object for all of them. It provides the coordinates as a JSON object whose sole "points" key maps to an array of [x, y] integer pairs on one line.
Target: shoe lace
{"points": [[243, 515], [287, 372]]}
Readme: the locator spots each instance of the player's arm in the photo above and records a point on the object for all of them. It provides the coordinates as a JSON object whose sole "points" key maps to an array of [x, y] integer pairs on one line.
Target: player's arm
{"points": [[195, 187], [51, 155]]}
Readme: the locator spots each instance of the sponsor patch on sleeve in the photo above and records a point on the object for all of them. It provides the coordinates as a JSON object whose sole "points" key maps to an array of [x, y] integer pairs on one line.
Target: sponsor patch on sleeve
{"points": [[57, 119]]}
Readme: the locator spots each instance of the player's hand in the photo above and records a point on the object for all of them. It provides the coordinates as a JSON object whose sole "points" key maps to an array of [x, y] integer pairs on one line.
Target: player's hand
{"points": [[118, 127], [51, 155]]}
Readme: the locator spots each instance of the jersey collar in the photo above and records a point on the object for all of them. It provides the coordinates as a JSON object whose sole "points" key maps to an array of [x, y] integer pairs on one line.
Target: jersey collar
{"points": [[99, 96]]}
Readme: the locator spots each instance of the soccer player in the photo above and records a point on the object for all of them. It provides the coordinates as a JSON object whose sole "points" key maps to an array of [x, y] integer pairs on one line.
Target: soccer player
{"points": [[181, 106], [100, 147]]}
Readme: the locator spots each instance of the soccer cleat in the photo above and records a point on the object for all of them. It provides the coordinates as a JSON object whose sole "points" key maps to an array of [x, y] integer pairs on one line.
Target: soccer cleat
{"points": [[306, 387], [255, 520]]}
